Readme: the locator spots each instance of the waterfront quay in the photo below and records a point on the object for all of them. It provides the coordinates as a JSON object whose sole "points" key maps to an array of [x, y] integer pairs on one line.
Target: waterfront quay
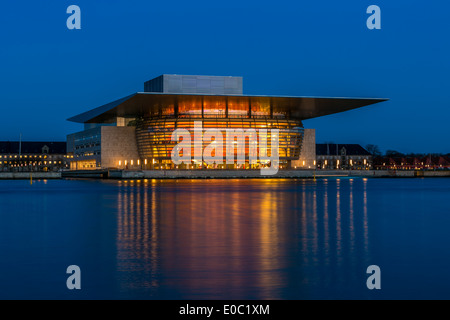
{"points": [[221, 174], [249, 174]]}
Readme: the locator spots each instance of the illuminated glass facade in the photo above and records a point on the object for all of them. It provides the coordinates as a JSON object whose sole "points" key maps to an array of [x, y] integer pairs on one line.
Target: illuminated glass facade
{"points": [[154, 135], [154, 129]]}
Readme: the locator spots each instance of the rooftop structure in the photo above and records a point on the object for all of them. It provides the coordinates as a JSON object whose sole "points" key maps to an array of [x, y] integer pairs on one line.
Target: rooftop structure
{"points": [[323, 149], [173, 83]]}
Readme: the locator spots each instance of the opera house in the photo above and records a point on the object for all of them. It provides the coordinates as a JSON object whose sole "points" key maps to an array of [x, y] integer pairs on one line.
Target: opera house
{"points": [[135, 132]]}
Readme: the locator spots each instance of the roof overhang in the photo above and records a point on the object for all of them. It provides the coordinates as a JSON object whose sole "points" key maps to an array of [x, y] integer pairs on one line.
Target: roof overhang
{"points": [[139, 104]]}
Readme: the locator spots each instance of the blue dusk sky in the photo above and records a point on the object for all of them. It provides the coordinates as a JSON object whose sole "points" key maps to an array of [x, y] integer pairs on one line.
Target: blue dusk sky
{"points": [[302, 48]]}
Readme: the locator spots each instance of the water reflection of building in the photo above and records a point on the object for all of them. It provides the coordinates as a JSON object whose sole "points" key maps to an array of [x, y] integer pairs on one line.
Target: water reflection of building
{"points": [[137, 237], [254, 239]]}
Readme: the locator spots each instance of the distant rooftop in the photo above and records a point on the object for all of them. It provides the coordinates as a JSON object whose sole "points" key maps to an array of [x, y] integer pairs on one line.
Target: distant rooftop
{"points": [[330, 149], [12, 147]]}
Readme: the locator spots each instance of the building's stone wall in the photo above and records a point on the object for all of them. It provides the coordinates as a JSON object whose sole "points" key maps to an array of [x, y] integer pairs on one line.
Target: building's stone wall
{"points": [[345, 162], [119, 144], [307, 158]]}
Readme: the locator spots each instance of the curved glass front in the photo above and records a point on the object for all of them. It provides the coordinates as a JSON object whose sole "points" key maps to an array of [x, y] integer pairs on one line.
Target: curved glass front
{"points": [[155, 145]]}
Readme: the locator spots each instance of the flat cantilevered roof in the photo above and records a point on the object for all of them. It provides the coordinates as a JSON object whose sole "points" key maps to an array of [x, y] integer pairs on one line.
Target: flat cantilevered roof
{"points": [[141, 103]]}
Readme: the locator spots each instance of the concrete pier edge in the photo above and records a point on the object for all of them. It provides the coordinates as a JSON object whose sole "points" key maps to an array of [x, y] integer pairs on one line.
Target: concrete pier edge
{"points": [[252, 174], [222, 174]]}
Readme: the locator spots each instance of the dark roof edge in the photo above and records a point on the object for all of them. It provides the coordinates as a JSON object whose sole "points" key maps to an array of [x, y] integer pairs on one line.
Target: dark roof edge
{"points": [[85, 116], [259, 96], [99, 110]]}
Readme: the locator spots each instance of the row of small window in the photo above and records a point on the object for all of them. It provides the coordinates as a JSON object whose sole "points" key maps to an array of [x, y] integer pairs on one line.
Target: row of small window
{"points": [[339, 157], [31, 162], [92, 145], [88, 154], [236, 123], [34, 156], [96, 137]]}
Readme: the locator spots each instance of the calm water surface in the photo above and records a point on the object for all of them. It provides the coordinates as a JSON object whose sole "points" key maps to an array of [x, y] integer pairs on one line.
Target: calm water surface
{"points": [[225, 239]]}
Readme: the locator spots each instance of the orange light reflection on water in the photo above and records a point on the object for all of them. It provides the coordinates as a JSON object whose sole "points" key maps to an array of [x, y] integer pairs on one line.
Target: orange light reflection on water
{"points": [[216, 237]]}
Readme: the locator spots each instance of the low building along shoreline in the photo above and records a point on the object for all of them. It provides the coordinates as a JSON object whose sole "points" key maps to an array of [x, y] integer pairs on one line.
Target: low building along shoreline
{"points": [[33, 156]]}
